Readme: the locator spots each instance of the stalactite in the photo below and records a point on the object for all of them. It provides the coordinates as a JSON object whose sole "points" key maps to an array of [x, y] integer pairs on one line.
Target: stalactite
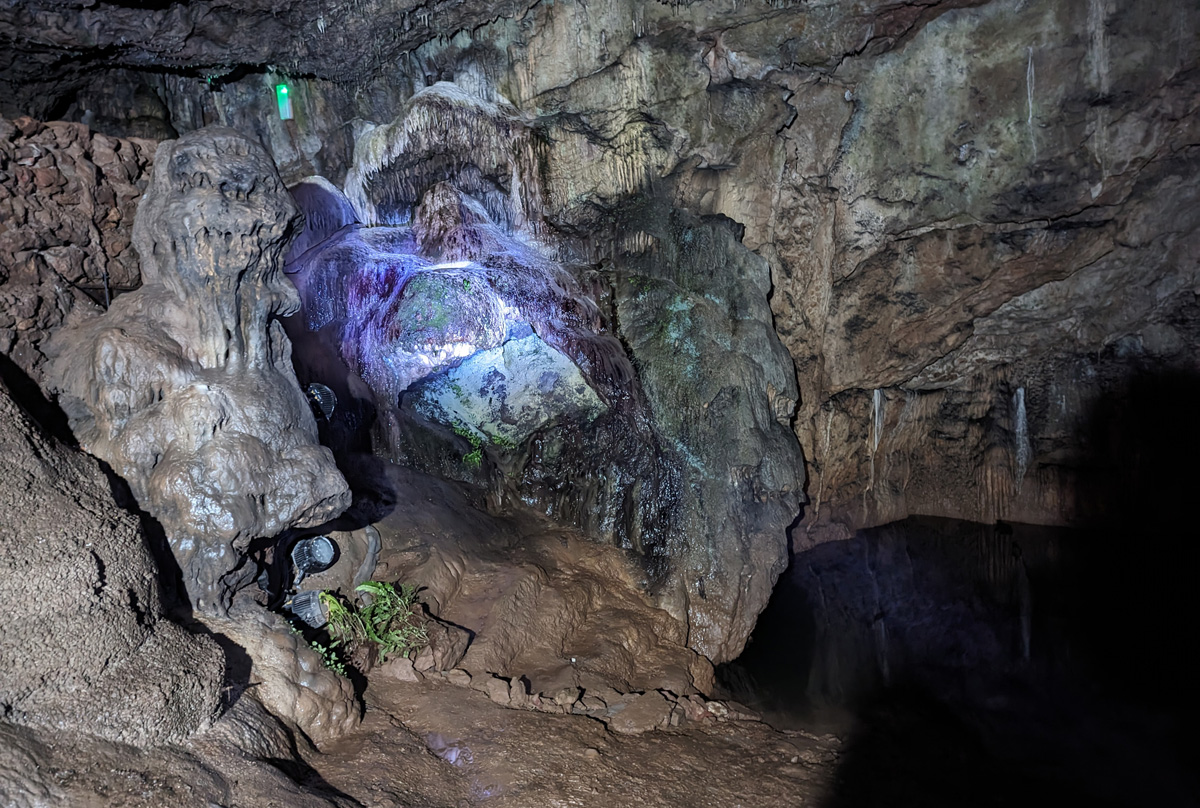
{"points": [[877, 418], [1029, 79], [1022, 449], [445, 134]]}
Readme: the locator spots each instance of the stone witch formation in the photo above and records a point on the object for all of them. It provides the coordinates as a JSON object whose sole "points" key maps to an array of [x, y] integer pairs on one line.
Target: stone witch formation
{"points": [[185, 387]]}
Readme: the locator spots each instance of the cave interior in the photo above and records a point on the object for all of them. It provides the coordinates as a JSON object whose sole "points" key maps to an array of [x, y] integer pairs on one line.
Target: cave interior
{"points": [[792, 395]]}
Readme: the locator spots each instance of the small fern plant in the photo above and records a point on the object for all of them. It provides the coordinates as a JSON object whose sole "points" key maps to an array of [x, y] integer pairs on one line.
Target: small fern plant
{"points": [[388, 620]]}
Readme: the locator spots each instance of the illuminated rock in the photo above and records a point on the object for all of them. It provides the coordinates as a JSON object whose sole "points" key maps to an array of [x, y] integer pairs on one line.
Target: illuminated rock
{"points": [[506, 394], [689, 461]]}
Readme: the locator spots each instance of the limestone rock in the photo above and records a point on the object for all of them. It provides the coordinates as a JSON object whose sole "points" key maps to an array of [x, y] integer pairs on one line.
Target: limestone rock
{"points": [[694, 708], [694, 313], [67, 202], [592, 705], [446, 648], [639, 713], [593, 435], [86, 646], [458, 677], [401, 669], [353, 41], [211, 769], [566, 697], [531, 615], [958, 322], [248, 727], [497, 690], [978, 221], [185, 387], [506, 394], [291, 680]]}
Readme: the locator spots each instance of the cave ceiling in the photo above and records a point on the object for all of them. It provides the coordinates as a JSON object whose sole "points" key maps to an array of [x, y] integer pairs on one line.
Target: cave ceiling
{"points": [[52, 45], [50, 48]]}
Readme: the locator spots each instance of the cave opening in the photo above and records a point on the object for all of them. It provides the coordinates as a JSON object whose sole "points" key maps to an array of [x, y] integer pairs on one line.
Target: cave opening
{"points": [[1042, 661]]}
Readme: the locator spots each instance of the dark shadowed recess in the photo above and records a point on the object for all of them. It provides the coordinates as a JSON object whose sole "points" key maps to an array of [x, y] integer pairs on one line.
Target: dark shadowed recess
{"points": [[46, 414], [1007, 664]]}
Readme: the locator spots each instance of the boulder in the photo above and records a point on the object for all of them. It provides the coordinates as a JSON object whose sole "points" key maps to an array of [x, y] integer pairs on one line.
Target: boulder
{"points": [[505, 394], [639, 713]]}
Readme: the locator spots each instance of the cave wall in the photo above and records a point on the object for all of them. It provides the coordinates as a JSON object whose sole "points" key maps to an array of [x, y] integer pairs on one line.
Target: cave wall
{"points": [[979, 218], [962, 205], [67, 200]]}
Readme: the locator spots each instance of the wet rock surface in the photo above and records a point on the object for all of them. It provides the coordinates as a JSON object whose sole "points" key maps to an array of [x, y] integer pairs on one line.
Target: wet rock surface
{"points": [[961, 206], [498, 756], [987, 277], [979, 228], [287, 676], [185, 387], [694, 314], [631, 421], [86, 646], [537, 601], [511, 392]]}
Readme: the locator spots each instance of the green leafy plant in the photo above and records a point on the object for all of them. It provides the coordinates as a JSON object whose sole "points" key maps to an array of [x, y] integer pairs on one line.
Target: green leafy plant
{"points": [[501, 442], [330, 657], [387, 620], [473, 458]]}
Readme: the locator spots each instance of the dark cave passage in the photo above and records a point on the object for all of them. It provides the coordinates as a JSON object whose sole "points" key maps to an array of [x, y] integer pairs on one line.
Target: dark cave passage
{"points": [[972, 664]]}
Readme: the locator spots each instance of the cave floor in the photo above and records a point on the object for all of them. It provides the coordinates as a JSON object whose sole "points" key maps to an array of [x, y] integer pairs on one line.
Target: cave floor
{"points": [[432, 743]]}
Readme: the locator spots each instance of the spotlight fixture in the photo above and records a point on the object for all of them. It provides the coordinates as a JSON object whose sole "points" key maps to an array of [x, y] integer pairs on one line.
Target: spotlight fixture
{"points": [[284, 101]]}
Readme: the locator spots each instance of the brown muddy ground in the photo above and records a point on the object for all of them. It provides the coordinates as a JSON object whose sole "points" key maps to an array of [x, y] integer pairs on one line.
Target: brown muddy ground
{"points": [[432, 743], [560, 611]]}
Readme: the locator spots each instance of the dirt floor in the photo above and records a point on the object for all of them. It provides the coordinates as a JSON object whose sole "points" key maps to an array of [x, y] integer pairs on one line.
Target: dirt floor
{"points": [[432, 743]]}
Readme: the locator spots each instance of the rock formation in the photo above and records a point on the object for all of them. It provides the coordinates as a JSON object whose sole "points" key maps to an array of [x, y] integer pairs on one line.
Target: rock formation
{"points": [[185, 387], [978, 219], [1012, 236], [289, 679], [949, 249], [689, 462], [67, 200], [86, 645]]}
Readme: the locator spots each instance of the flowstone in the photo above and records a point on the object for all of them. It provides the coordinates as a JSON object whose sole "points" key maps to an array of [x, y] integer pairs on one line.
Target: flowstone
{"points": [[645, 399], [185, 387]]}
